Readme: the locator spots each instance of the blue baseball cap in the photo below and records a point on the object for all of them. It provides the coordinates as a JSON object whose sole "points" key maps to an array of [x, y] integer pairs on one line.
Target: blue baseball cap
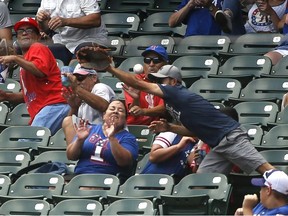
{"points": [[159, 50]]}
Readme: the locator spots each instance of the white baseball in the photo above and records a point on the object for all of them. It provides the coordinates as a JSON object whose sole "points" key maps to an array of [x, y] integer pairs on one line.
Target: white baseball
{"points": [[138, 69]]}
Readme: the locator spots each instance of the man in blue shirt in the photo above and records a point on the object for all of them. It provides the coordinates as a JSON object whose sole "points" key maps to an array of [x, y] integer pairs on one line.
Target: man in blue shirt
{"points": [[273, 195], [199, 118]]}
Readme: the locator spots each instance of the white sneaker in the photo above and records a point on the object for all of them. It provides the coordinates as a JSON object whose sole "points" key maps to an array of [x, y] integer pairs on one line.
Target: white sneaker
{"points": [[223, 18]]}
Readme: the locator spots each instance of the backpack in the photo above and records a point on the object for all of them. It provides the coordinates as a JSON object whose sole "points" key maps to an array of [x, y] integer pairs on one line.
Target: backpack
{"points": [[42, 167]]}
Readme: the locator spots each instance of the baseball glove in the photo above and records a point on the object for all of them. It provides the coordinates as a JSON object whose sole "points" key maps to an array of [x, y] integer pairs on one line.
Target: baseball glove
{"points": [[94, 58]]}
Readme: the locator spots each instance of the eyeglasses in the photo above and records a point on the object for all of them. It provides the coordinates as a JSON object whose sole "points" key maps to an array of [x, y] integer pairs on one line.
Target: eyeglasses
{"points": [[80, 78], [155, 60], [27, 31]]}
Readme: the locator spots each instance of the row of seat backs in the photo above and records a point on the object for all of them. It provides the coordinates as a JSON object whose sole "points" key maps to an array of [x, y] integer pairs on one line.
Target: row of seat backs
{"points": [[77, 207], [148, 186]]}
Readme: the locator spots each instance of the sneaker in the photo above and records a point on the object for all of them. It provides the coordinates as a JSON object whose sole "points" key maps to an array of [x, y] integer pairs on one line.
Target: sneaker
{"points": [[223, 18]]}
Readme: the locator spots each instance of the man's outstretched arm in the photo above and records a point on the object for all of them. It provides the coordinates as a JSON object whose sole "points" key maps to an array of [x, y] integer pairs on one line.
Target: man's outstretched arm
{"points": [[133, 81]]}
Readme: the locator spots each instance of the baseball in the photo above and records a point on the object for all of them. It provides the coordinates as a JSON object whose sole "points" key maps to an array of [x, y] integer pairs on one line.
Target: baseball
{"points": [[138, 69]]}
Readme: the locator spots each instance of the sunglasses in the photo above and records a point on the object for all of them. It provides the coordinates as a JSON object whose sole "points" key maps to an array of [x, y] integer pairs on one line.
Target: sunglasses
{"points": [[80, 78], [155, 60]]}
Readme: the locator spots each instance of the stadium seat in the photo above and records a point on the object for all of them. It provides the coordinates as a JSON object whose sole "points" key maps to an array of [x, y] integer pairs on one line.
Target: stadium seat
{"points": [[195, 67], [131, 207], [55, 156], [35, 186], [144, 186], [244, 68], [157, 24], [144, 137], [120, 24], [163, 6], [77, 207], [142, 163], [277, 157], [128, 6], [255, 133], [12, 161], [128, 64], [280, 70], [202, 45], [257, 112], [56, 142], [264, 89], [89, 186], [255, 43], [5, 182], [24, 7], [137, 45], [194, 188], [10, 85], [25, 207], [3, 113], [276, 138], [24, 138], [214, 89], [282, 116], [18, 116]]}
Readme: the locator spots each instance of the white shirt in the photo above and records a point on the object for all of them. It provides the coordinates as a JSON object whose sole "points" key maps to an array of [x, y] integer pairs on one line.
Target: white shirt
{"points": [[258, 22], [69, 36], [92, 115]]}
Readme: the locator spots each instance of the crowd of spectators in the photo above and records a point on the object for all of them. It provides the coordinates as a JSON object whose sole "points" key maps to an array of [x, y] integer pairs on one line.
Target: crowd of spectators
{"points": [[96, 123]]}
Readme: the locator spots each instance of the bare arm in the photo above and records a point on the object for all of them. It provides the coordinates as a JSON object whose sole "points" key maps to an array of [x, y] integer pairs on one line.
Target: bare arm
{"points": [[14, 98], [95, 101], [162, 126], [159, 154], [26, 65], [132, 80]]}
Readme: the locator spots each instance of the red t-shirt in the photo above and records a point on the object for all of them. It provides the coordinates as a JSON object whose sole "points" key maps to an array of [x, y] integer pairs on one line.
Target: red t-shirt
{"points": [[146, 101], [41, 91]]}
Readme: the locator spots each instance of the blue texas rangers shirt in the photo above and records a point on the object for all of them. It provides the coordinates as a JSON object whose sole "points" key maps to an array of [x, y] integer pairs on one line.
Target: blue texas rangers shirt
{"points": [[260, 210], [96, 155], [199, 21], [175, 164], [197, 114]]}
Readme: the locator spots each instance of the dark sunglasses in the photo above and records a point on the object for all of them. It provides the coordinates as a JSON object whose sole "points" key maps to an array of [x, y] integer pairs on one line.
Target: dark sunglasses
{"points": [[155, 60], [80, 78]]}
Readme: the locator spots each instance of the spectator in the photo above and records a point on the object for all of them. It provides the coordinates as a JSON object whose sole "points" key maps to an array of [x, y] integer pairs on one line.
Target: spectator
{"points": [[205, 17], [87, 97], [273, 196], [143, 107], [168, 154], [5, 23], [104, 148], [265, 15], [199, 118], [73, 23], [39, 77], [282, 50]]}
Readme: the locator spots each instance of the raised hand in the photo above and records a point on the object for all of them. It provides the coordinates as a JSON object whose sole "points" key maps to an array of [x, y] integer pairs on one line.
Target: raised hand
{"points": [[82, 129], [134, 93], [109, 127], [159, 126]]}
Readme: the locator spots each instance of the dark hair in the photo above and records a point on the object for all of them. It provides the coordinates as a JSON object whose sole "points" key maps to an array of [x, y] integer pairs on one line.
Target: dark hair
{"points": [[230, 111]]}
